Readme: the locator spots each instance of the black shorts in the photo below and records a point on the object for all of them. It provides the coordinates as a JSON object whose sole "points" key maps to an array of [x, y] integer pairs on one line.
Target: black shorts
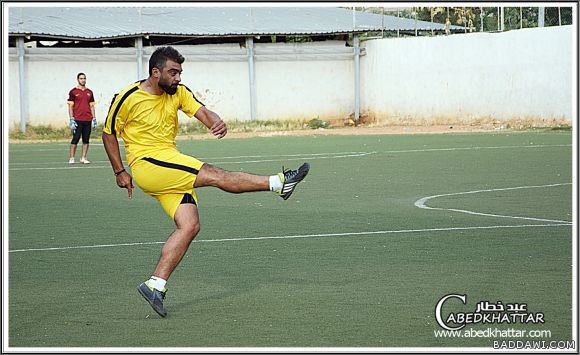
{"points": [[84, 129]]}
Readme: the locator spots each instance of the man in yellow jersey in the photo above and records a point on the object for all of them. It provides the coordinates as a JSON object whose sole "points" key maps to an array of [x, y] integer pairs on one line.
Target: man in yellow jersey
{"points": [[144, 115]]}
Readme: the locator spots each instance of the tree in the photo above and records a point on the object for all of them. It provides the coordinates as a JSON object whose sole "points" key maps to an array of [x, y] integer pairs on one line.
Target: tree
{"points": [[465, 16], [474, 18]]}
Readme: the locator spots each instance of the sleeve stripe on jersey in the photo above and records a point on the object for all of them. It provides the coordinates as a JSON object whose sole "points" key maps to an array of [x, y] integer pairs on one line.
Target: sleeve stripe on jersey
{"points": [[195, 98], [114, 115], [111, 106]]}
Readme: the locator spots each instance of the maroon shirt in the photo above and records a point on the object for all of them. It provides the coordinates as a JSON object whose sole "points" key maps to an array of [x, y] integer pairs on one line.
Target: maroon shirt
{"points": [[81, 100]]}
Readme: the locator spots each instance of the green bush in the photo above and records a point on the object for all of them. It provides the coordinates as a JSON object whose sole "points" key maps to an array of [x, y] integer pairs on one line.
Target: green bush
{"points": [[562, 128], [235, 126], [316, 123]]}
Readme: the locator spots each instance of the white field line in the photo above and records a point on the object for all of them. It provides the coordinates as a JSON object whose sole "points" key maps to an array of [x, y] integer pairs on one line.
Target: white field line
{"points": [[476, 148], [304, 156], [340, 155], [304, 236], [421, 203], [209, 159], [64, 162], [297, 157], [23, 149]]}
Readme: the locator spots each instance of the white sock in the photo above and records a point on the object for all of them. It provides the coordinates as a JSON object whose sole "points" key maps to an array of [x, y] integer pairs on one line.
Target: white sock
{"points": [[157, 283], [275, 183]]}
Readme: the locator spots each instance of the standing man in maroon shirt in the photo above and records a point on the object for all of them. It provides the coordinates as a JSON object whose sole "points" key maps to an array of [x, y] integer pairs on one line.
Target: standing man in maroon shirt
{"points": [[81, 110]]}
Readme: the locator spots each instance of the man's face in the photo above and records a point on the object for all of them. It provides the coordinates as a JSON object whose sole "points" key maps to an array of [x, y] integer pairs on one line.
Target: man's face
{"points": [[82, 80], [170, 77]]}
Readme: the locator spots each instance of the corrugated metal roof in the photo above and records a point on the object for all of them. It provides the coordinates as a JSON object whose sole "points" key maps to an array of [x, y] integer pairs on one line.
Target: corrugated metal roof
{"points": [[93, 23]]}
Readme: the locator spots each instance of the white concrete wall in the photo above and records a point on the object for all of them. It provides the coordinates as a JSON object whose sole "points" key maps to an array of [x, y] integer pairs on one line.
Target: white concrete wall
{"points": [[293, 81], [48, 85], [222, 87], [524, 73], [304, 90]]}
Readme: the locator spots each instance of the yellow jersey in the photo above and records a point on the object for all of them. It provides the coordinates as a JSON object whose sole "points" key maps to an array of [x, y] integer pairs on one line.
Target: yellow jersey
{"points": [[148, 123]]}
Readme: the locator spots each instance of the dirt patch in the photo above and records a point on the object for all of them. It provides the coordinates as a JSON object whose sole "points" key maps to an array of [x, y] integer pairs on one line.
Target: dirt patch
{"points": [[339, 131], [360, 130]]}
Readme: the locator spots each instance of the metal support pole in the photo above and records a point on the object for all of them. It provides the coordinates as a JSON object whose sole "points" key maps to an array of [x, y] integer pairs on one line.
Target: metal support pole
{"points": [[251, 71], [415, 13], [502, 20], [398, 23], [356, 78], [541, 16], [139, 46], [383, 21], [21, 84]]}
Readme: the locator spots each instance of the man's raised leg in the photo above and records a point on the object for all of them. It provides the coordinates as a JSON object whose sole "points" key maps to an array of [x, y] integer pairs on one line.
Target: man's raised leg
{"points": [[283, 183], [231, 181]]}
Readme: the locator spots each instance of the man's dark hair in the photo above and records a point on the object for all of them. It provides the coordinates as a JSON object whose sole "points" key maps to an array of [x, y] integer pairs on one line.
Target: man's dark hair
{"points": [[160, 56], [79, 75]]}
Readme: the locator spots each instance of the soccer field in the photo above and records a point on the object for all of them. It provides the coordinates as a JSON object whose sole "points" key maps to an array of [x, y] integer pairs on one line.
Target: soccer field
{"points": [[382, 228]]}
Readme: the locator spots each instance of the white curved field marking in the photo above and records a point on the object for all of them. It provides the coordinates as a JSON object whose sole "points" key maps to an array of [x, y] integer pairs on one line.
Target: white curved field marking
{"points": [[302, 236], [421, 203]]}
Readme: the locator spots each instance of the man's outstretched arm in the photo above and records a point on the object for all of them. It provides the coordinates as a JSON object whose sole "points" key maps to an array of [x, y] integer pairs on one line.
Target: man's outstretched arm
{"points": [[124, 179], [212, 121]]}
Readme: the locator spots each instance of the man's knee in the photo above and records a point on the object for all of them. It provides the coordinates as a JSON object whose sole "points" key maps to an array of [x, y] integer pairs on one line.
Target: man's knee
{"points": [[190, 228], [194, 229], [187, 220], [210, 175]]}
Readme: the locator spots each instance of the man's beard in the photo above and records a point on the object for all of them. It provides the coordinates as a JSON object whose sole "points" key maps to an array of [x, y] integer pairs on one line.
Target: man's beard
{"points": [[170, 89]]}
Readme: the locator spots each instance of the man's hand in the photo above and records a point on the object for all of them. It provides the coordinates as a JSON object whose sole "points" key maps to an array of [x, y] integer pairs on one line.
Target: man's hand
{"points": [[219, 129], [212, 121], [125, 181], [123, 178], [72, 123]]}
